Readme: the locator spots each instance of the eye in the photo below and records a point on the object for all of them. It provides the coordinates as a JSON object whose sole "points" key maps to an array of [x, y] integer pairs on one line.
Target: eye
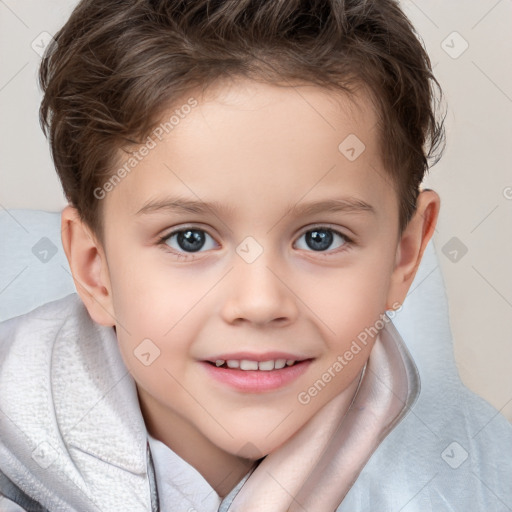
{"points": [[321, 239], [188, 240]]}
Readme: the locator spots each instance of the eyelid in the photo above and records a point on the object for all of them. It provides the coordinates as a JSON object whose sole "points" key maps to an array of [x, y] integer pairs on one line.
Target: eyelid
{"points": [[327, 227], [177, 229]]}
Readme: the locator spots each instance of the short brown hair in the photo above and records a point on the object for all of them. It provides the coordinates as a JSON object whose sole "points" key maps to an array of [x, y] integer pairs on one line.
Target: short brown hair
{"points": [[115, 66]]}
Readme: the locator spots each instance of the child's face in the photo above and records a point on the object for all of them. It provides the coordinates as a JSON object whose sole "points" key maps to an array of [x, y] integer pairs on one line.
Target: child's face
{"points": [[255, 288]]}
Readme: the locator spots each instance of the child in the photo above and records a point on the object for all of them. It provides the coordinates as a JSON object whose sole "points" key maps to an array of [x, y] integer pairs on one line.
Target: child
{"points": [[245, 205]]}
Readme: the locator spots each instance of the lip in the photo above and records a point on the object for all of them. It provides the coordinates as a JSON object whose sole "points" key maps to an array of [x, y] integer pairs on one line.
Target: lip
{"points": [[256, 381]]}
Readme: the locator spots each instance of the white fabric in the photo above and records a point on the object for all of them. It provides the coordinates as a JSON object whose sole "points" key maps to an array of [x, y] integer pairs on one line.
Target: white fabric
{"points": [[72, 434], [179, 482], [8, 506]]}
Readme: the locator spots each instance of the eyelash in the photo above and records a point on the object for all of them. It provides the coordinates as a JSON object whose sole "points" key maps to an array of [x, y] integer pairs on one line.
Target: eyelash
{"points": [[349, 242]]}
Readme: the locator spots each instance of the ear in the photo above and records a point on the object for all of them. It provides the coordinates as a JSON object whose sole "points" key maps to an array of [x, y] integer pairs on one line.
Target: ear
{"points": [[88, 265], [412, 244]]}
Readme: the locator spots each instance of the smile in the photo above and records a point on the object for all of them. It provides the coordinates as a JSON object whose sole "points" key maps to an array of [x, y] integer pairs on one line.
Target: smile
{"points": [[247, 364], [252, 376]]}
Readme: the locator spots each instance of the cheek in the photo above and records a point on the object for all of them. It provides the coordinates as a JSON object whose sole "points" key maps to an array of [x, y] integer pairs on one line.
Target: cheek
{"points": [[349, 300], [148, 297], [153, 357]]}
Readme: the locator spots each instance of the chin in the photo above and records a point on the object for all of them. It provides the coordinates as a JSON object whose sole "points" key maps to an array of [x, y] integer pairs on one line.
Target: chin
{"points": [[254, 444]]}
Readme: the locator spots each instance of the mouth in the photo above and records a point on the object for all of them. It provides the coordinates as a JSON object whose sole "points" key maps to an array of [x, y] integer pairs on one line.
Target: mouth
{"points": [[256, 376], [251, 365]]}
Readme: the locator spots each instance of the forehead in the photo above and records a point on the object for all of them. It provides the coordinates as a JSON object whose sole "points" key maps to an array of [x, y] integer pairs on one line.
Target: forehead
{"points": [[244, 140]]}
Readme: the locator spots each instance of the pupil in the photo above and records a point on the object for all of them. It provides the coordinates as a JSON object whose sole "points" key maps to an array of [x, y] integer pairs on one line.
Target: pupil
{"points": [[191, 240], [319, 240]]}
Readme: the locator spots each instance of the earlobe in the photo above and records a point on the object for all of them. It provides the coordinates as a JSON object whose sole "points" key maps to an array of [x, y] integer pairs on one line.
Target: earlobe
{"points": [[88, 266], [412, 244]]}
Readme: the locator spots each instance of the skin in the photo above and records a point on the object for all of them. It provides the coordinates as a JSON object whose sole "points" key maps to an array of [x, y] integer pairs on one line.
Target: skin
{"points": [[259, 150]]}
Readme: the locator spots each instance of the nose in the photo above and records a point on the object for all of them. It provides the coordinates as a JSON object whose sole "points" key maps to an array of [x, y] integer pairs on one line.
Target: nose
{"points": [[258, 293]]}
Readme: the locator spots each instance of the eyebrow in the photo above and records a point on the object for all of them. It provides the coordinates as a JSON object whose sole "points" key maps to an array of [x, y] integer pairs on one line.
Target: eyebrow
{"points": [[346, 204], [182, 205]]}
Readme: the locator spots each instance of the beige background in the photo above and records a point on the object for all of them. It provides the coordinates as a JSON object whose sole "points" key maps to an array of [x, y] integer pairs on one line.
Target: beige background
{"points": [[470, 43]]}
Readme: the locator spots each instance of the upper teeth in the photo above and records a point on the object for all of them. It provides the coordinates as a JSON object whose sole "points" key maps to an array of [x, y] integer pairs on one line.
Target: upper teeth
{"points": [[246, 364]]}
